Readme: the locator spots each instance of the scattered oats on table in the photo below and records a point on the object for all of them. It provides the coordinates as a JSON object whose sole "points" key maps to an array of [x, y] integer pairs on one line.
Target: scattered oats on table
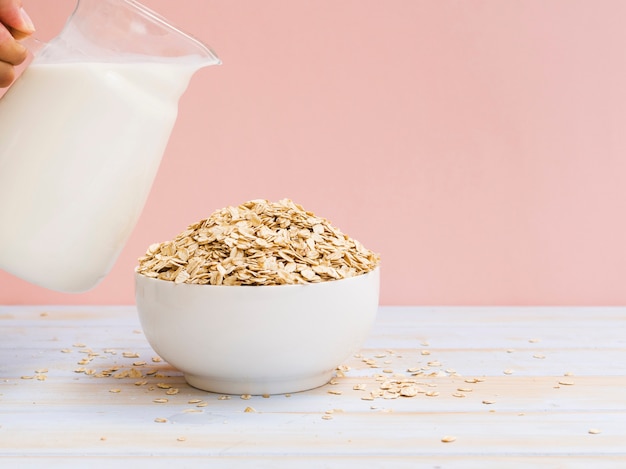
{"points": [[258, 243]]}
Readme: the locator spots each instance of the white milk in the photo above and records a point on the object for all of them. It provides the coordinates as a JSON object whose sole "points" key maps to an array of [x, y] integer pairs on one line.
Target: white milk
{"points": [[80, 144]]}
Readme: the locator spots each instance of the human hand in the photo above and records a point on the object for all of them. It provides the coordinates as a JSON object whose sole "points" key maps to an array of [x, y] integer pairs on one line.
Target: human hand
{"points": [[14, 25]]}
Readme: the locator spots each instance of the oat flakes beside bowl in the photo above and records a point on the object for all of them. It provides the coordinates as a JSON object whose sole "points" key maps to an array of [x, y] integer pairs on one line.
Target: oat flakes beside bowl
{"points": [[262, 298]]}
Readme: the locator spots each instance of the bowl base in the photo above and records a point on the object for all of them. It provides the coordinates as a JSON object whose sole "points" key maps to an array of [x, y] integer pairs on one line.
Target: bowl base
{"points": [[258, 387]]}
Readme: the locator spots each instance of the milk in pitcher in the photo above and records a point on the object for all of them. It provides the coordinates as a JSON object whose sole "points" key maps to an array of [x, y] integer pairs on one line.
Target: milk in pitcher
{"points": [[72, 187]]}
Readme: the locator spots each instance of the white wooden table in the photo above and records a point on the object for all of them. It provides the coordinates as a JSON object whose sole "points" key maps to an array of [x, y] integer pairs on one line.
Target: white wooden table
{"points": [[513, 387]]}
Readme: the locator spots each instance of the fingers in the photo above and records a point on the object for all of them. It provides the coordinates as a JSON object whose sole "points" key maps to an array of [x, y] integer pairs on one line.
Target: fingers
{"points": [[7, 74], [11, 51], [15, 24]]}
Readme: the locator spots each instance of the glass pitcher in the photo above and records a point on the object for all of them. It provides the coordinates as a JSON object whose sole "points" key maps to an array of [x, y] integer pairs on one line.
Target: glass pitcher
{"points": [[82, 134]]}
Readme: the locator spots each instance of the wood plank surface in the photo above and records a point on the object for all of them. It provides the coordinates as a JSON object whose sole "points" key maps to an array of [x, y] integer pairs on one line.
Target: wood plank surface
{"points": [[513, 387]]}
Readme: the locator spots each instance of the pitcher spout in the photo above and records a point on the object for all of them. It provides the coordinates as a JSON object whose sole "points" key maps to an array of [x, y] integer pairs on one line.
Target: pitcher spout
{"points": [[124, 31], [164, 39]]}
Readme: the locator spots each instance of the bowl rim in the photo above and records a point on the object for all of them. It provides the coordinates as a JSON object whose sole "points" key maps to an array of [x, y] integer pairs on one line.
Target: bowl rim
{"points": [[145, 278]]}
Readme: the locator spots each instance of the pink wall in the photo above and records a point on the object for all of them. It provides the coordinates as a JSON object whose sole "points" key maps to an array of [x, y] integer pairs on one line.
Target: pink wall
{"points": [[479, 146]]}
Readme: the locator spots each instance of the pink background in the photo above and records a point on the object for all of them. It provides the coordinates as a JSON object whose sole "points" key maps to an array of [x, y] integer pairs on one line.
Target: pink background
{"points": [[479, 146]]}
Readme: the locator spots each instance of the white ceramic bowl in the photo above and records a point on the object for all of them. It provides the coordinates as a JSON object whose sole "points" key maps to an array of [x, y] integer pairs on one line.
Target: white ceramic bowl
{"points": [[257, 339]]}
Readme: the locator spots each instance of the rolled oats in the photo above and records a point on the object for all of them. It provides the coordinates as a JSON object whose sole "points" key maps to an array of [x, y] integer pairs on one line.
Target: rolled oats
{"points": [[258, 243]]}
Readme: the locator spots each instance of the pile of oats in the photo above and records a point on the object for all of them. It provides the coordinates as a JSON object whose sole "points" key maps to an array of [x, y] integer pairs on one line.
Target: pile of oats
{"points": [[258, 243]]}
